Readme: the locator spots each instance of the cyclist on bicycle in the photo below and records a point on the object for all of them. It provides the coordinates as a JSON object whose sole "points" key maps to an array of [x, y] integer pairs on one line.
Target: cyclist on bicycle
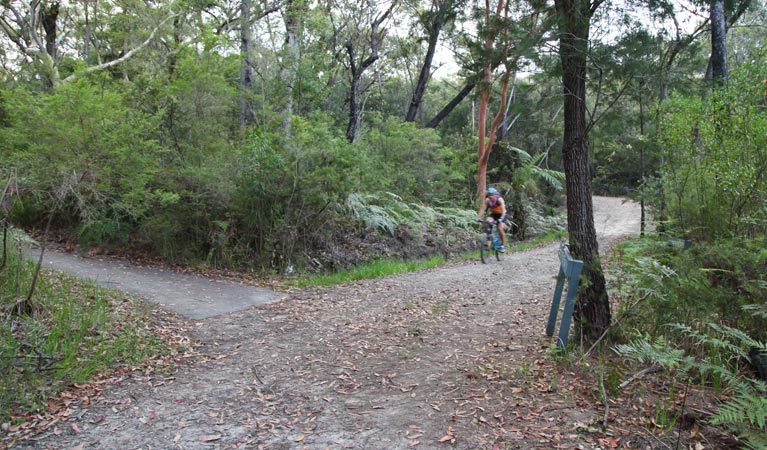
{"points": [[497, 206]]}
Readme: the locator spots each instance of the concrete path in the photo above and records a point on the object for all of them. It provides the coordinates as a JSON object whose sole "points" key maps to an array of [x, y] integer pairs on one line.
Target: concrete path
{"points": [[192, 296]]}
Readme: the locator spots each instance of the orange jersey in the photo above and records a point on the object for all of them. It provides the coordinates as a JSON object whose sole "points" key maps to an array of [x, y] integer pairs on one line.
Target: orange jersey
{"points": [[496, 206]]}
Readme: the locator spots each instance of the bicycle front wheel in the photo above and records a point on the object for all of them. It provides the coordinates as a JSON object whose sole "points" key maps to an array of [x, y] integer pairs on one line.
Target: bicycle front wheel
{"points": [[485, 249]]}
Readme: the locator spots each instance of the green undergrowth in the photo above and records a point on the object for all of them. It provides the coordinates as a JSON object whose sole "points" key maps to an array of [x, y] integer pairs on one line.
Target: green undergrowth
{"points": [[68, 332], [548, 237], [700, 314]]}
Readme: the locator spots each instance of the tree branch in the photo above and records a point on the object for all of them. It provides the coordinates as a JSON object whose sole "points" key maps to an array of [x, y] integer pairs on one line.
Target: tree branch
{"points": [[123, 58]]}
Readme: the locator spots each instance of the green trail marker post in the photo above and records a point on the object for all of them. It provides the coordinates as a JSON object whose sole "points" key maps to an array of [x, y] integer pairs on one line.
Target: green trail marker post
{"points": [[684, 244], [569, 269]]}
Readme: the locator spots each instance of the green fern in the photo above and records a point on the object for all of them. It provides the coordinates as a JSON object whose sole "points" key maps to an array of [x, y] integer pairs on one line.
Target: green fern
{"points": [[371, 215], [657, 352], [530, 169], [745, 414], [758, 310], [387, 211]]}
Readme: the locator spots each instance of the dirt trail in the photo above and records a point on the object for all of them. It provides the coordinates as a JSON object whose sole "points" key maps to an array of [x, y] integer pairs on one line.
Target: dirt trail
{"points": [[453, 357]]}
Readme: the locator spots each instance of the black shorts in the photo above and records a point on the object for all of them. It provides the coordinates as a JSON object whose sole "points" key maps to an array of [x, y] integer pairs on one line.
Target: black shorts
{"points": [[496, 217]]}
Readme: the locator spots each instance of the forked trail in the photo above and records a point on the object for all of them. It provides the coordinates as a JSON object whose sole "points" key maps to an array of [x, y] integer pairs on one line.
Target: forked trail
{"points": [[453, 357]]}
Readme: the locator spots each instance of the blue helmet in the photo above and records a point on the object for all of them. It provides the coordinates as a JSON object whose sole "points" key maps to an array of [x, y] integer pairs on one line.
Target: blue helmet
{"points": [[492, 191]]}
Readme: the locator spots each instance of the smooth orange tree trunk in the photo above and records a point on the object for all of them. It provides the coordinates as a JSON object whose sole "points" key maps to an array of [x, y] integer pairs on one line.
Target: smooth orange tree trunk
{"points": [[485, 140]]}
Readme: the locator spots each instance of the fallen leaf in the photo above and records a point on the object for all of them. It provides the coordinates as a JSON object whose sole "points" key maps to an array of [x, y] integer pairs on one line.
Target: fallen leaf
{"points": [[210, 438]]}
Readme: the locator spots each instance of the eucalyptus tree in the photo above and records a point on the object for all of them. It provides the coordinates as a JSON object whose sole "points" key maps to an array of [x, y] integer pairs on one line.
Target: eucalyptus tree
{"points": [[506, 39], [247, 115], [718, 43], [438, 17], [723, 16], [294, 14], [360, 30], [47, 34]]}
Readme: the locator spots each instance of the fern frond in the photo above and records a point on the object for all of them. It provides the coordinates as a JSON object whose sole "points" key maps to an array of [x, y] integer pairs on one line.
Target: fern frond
{"points": [[386, 211], [373, 216], [758, 310], [747, 407], [658, 352], [524, 157], [734, 333], [554, 178]]}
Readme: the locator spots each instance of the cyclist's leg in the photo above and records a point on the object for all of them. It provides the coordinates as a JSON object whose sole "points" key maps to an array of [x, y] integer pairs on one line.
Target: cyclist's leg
{"points": [[501, 229]]}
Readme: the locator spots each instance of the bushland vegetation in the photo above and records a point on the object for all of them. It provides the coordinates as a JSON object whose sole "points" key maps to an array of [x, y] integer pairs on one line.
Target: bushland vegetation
{"points": [[697, 309], [220, 135]]}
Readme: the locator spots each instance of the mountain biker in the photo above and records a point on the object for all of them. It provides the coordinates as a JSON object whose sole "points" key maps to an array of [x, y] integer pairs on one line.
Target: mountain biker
{"points": [[497, 205]]}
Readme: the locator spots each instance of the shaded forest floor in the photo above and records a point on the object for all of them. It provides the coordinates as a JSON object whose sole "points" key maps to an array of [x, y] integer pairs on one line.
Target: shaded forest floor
{"points": [[454, 357]]}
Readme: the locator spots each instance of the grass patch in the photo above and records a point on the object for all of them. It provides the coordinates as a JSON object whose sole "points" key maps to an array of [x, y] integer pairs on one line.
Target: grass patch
{"points": [[373, 269], [385, 267], [546, 238], [71, 331]]}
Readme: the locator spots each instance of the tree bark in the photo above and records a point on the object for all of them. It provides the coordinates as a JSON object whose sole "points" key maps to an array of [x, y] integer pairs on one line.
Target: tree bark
{"points": [[294, 10], [247, 114], [485, 140], [354, 91], [356, 70], [592, 310], [443, 12], [424, 75], [50, 18], [467, 88], [718, 43]]}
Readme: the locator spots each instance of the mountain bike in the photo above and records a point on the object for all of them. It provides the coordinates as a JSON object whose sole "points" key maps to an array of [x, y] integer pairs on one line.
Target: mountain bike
{"points": [[491, 241]]}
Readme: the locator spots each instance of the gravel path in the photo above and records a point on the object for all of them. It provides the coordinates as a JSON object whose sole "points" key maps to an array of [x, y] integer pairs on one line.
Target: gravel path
{"points": [[453, 357]]}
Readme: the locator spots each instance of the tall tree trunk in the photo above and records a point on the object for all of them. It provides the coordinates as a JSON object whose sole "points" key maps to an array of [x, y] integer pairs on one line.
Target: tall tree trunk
{"points": [[49, 19], [354, 94], [718, 43], [592, 310], [87, 38], [247, 114], [294, 11], [424, 75], [467, 88], [443, 11], [356, 70], [485, 140]]}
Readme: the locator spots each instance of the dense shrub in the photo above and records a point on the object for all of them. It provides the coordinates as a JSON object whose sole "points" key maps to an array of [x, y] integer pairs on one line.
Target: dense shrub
{"points": [[716, 154], [88, 160], [710, 282]]}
